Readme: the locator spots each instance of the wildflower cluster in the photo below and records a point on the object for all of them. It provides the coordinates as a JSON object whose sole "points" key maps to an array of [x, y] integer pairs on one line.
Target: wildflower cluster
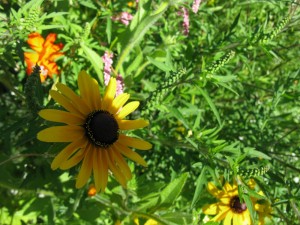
{"points": [[219, 98]]}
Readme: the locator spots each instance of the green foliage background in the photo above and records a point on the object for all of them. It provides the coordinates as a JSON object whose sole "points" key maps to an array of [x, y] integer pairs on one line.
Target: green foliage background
{"points": [[223, 104]]}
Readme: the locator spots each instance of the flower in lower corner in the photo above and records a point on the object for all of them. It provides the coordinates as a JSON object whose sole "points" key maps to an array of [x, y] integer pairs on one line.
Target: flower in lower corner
{"points": [[263, 209], [44, 55], [229, 208], [95, 127], [148, 222]]}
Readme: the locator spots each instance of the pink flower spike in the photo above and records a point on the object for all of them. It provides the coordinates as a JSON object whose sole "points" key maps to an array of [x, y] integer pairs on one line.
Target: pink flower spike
{"points": [[186, 20], [124, 17], [107, 60], [120, 85], [196, 5]]}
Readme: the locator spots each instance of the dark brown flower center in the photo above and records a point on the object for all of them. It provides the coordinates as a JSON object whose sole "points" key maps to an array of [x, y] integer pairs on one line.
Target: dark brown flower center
{"points": [[101, 128], [236, 205]]}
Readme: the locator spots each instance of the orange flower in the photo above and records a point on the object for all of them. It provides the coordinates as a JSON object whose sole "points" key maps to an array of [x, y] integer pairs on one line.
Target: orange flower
{"points": [[46, 52], [92, 190]]}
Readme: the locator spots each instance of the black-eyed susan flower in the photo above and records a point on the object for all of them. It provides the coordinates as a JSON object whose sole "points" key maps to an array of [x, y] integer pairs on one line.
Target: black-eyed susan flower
{"points": [[229, 209], [263, 209], [148, 222], [94, 127]]}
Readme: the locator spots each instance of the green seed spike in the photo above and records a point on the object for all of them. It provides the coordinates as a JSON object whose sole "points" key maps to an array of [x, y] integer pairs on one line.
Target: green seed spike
{"points": [[270, 36], [87, 30], [32, 19], [32, 87], [220, 62], [253, 172], [165, 87]]}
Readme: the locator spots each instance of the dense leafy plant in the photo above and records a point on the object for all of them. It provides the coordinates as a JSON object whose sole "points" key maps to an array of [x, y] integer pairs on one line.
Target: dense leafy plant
{"points": [[220, 88]]}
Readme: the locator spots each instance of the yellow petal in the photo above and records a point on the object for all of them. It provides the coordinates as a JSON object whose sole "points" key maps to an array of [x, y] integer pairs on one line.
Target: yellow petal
{"points": [[211, 209], [67, 133], [228, 218], [226, 199], [134, 142], [115, 170], [221, 215], [96, 97], [75, 99], [64, 102], [127, 109], [109, 94], [103, 169], [121, 163], [235, 218], [124, 150], [67, 152], [213, 190], [245, 218], [227, 187], [83, 84], [151, 222], [118, 102], [132, 124], [251, 183], [96, 170], [86, 167], [61, 116], [86, 88], [73, 160]]}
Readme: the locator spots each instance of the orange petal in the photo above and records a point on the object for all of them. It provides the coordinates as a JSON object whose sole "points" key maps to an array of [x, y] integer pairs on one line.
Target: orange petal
{"points": [[36, 41]]}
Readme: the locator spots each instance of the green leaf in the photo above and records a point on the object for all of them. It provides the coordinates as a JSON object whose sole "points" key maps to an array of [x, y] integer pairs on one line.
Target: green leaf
{"points": [[201, 181], [235, 22], [133, 37], [171, 192], [136, 62], [108, 29], [49, 27], [249, 204], [211, 104], [160, 65], [254, 153], [95, 60], [178, 218], [165, 198], [224, 79], [178, 115], [88, 4]]}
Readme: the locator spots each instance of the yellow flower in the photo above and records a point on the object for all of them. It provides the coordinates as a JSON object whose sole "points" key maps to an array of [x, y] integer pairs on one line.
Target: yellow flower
{"points": [[263, 208], [229, 209], [94, 129], [148, 222]]}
